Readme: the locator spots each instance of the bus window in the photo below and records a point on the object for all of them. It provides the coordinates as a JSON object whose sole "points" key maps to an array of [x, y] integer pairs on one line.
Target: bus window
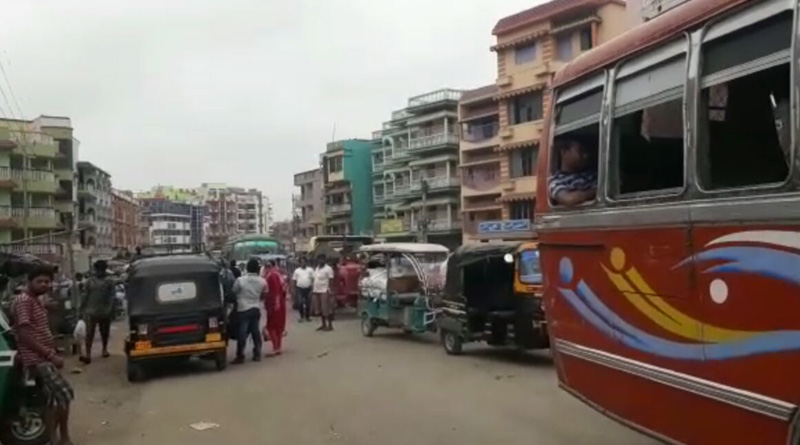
{"points": [[744, 137], [577, 120], [647, 146]]}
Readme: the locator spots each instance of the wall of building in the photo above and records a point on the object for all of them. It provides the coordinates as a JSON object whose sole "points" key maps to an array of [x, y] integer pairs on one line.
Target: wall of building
{"points": [[358, 171]]}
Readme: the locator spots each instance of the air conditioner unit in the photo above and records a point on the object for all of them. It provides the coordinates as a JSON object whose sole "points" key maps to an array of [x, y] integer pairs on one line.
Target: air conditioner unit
{"points": [[654, 8]]}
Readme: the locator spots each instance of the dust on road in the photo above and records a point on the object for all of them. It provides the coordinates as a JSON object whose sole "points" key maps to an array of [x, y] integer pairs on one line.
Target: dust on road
{"points": [[342, 388]]}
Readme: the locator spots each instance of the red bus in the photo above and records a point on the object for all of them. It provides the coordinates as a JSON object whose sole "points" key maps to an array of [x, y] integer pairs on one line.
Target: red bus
{"points": [[673, 293]]}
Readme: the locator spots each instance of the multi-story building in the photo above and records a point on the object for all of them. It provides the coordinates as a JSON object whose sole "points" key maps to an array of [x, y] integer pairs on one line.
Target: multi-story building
{"points": [[94, 210], [347, 179], [309, 207], [29, 185], [480, 162], [415, 165], [232, 211], [125, 221], [531, 46], [172, 226], [267, 215]]}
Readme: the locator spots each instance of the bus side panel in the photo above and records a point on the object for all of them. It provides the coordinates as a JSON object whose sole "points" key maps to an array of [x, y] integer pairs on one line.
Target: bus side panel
{"points": [[748, 282]]}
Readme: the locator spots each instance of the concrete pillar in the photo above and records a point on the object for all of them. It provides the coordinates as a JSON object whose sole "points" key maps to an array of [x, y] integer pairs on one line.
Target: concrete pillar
{"points": [[447, 164], [445, 126], [449, 213]]}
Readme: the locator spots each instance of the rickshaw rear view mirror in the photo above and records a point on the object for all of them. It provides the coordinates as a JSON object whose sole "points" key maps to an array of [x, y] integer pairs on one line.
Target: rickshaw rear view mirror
{"points": [[508, 258]]}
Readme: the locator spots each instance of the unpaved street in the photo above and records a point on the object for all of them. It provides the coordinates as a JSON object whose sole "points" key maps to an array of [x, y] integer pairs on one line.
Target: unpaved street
{"points": [[341, 388]]}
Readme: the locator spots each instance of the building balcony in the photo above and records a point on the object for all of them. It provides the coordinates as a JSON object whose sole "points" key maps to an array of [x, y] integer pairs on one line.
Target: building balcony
{"points": [[339, 208], [397, 116], [433, 141], [35, 249], [481, 182], [444, 225], [37, 181], [378, 198], [514, 229], [434, 97], [525, 78], [7, 143], [377, 167], [87, 192], [521, 133], [401, 190], [35, 145], [481, 136], [38, 217], [436, 183]]}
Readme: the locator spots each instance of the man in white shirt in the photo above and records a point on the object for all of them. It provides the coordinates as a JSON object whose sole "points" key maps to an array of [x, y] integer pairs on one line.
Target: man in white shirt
{"points": [[322, 299], [303, 279], [250, 290]]}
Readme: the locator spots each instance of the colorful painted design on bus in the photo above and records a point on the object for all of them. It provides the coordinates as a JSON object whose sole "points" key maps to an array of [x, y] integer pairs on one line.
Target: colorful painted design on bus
{"points": [[767, 254]]}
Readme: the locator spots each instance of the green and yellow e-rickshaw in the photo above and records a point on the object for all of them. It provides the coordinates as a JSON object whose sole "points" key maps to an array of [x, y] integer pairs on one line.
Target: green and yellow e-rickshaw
{"points": [[399, 280], [493, 293]]}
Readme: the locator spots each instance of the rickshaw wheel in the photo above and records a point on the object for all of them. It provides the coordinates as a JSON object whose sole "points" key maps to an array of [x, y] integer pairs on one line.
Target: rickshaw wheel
{"points": [[367, 325], [136, 372], [30, 430], [453, 344], [221, 361]]}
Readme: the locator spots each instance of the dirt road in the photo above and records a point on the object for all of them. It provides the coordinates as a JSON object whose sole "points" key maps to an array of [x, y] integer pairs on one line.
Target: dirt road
{"points": [[342, 388]]}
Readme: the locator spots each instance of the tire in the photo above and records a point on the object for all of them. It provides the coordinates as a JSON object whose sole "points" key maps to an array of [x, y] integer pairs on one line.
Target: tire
{"points": [[367, 325], [28, 431], [136, 372], [221, 361], [452, 342]]}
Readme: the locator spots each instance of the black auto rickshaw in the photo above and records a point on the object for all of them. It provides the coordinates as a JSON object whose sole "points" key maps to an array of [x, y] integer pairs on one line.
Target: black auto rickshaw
{"points": [[175, 310], [493, 293]]}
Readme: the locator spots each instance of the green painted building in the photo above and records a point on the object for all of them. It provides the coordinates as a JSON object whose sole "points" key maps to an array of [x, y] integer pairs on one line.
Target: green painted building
{"points": [[37, 190], [347, 179]]}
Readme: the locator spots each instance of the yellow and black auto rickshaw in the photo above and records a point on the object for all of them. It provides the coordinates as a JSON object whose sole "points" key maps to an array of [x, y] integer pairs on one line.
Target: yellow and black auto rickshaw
{"points": [[493, 293], [175, 310]]}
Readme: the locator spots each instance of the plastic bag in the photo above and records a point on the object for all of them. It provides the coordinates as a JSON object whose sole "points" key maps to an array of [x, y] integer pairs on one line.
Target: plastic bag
{"points": [[80, 331]]}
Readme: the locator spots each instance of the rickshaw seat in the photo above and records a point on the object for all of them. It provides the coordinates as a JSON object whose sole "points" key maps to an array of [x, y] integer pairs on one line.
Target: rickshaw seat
{"points": [[406, 298]]}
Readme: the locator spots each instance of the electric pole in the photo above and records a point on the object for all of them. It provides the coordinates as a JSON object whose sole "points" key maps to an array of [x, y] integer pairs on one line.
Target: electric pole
{"points": [[423, 222]]}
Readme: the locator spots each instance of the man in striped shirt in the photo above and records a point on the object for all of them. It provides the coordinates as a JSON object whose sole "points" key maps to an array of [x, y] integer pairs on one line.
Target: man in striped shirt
{"points": [[575, 182], [37, 352]]}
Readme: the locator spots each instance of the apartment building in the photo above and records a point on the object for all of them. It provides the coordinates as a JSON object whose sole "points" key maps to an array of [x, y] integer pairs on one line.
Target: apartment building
{"points": [[531, 46], [347, 187], [232, 211], [268, 216], [415, 161], [29, 187], [125, 211], [94, 209], [308, 207], [172, 226]]}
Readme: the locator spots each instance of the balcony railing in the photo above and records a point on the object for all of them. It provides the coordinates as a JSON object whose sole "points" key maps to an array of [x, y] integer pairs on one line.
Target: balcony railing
{"points": [[433, 97], [433, 141], [436, 182], [478, 133], [339, 208], [377, 134], [444, 224], [33, 175], [378, 198], [402, 189], [481, 178], [34, 212], [35, 249], [398, 115]]}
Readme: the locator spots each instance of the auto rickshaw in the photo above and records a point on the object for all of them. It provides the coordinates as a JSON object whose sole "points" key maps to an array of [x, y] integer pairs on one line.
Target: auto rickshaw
{"points": [[397, 286], [175, 310], [22, 403], [493, 293]]}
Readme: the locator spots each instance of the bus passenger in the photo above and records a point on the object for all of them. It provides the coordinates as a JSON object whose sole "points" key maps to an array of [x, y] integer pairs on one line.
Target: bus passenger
{"points": [[575, 182]]}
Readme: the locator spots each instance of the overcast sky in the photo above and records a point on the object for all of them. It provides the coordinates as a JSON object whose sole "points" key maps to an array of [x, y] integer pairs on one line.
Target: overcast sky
{"points": [[243, 92]]}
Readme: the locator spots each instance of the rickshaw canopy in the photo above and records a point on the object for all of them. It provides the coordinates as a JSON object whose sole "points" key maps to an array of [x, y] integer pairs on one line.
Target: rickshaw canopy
{"points": [[404, 248], [176, 283], [470, 254]]}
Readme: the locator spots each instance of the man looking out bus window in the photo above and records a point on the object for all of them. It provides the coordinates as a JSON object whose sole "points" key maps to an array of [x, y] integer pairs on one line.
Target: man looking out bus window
{"points": [[575, 182]]}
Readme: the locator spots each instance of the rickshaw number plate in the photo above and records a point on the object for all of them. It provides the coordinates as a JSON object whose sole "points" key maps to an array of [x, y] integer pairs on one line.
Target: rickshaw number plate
{"points": [[140, 345], [214, 337]]}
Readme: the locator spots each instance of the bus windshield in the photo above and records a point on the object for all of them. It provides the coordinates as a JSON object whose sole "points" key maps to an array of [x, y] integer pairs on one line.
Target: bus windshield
{"points": [[530, 271], [243, 250]]}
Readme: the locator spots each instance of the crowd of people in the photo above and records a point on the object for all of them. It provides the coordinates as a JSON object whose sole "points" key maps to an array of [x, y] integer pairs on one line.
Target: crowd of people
{"points": [[309, 287]]}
